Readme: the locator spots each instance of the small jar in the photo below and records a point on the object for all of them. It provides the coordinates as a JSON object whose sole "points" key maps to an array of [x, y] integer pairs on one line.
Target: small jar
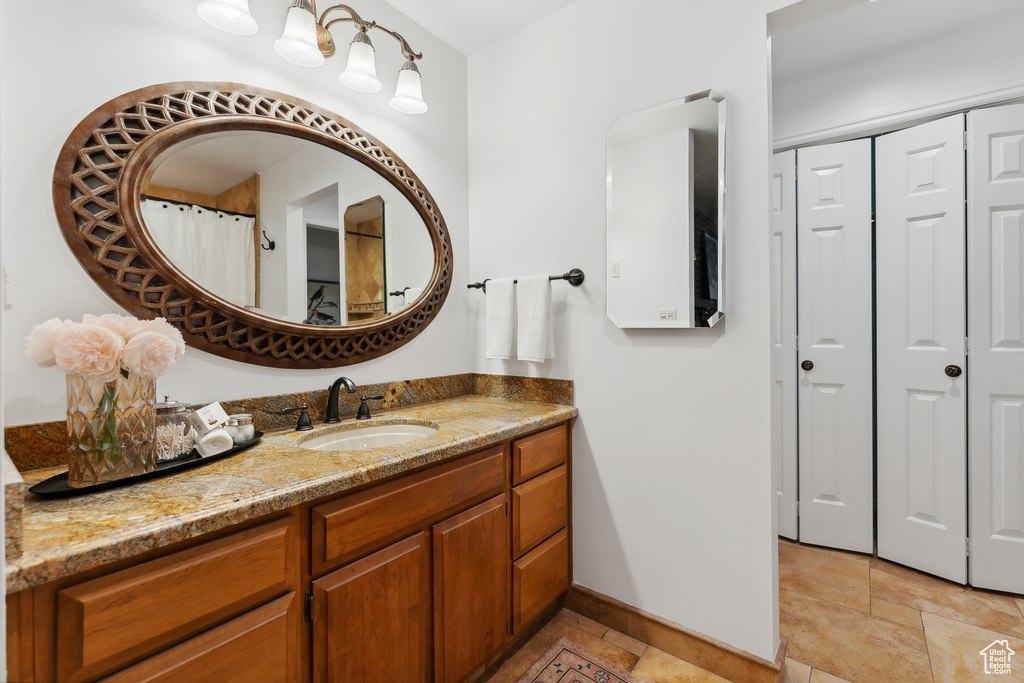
{"points": [[174, 436], [240, 428]]}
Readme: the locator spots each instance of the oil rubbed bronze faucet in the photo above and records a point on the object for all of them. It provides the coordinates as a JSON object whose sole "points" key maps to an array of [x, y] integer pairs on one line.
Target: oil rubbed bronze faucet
{"points": [[364, 410], [332, 398]]}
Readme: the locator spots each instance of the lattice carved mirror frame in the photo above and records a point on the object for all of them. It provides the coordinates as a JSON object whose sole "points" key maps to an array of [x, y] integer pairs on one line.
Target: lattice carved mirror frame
{"points": [[101, 171]]}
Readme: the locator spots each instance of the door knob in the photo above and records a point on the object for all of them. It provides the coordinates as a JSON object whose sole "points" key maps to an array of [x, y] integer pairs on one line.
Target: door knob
{"points": [[953, 370], [807, 365]]}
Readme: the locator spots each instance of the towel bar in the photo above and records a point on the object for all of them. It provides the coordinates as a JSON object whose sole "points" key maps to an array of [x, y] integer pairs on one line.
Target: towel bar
{"points": [[574, 276]]}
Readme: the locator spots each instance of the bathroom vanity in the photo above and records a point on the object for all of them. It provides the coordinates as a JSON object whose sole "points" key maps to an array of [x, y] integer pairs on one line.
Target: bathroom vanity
{"points": [[416, 562]]}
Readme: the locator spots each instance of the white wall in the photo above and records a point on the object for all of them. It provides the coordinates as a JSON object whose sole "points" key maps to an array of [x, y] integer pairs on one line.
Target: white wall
{"points": [[97, 50], [976, 66], [673, 502]]}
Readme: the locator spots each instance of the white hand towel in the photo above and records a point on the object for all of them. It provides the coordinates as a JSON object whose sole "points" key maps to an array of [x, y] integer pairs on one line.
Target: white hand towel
{"points": [[536, 341], [214, 442], [500, 319], [412, 294]]}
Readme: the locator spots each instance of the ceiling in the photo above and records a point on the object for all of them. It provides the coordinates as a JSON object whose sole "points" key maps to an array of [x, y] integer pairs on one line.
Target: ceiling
{"points": [[819, 34], [212, 163], [469, 25], [849, 29]]}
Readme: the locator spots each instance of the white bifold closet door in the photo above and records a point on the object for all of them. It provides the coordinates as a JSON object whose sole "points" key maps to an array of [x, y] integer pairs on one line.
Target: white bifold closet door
{"points": [[784, 374], [835, 393], [921, 390], [996, 330]]}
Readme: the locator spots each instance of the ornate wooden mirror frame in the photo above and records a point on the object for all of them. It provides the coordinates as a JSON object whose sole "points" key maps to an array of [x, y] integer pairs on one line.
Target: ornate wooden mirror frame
{"points": [[100, 173]]}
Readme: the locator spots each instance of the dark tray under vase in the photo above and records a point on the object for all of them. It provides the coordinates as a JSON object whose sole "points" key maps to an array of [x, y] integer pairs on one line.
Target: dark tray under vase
{"points": [[57, 486]]}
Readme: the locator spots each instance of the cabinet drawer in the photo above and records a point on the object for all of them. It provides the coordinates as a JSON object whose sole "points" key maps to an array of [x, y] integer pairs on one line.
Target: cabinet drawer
{"points": [[540, 507], [253, 647], [108, 622], [349, 527], [538, 578], [539, 453]]}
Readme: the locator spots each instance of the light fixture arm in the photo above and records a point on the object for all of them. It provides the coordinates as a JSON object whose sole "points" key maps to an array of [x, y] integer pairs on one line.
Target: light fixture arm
{"points": [[327, 43]]}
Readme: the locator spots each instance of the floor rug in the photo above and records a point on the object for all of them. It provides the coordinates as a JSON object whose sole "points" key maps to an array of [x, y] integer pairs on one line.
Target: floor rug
{"points": [[566, 662]]}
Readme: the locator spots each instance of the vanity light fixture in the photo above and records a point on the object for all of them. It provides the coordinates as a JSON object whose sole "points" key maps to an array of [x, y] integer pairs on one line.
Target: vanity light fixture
{"points": [[229, 15], [307, 41]]}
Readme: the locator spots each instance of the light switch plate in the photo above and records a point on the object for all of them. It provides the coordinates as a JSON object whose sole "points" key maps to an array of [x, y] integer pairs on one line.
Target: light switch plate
{"points": [[666, 314]]}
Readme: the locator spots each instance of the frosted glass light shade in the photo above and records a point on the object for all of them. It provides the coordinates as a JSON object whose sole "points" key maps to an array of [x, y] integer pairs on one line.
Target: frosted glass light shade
{"points": [[228, 15], [360, 73], [408, 97], [298, 43]]}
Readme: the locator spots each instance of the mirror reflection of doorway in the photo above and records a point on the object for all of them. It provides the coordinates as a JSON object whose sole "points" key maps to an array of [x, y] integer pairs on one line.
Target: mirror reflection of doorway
{"points": [[365, 271]]}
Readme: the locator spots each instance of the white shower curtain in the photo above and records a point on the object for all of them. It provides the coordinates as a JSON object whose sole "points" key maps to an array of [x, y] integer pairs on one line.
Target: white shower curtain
{"points": [[215, 250]]}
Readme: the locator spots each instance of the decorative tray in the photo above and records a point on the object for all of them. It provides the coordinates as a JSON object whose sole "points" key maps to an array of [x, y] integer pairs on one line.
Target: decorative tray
{"points": [[57, 486]]}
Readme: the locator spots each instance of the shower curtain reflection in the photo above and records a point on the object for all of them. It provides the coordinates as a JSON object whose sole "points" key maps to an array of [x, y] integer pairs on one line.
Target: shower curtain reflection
{"points": [[212, 248]]}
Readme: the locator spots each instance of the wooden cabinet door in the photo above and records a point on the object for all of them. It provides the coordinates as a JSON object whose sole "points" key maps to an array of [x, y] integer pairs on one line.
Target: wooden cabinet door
{"points": [[372, 618], [471, 589]]}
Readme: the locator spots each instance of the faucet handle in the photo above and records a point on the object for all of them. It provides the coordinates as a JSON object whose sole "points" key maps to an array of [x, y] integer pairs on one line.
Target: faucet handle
{"points": [[364, 410], [304, 424]]}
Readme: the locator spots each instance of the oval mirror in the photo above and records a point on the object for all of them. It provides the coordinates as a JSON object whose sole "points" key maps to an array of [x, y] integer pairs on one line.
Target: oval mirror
{"points": [[268, 230]]}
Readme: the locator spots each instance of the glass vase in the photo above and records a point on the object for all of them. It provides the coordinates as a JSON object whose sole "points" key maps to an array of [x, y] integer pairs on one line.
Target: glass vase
{"points": [[111, 428]]}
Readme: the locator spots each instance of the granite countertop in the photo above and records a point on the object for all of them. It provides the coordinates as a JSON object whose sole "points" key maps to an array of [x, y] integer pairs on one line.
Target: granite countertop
{"points": [[59, 537]]}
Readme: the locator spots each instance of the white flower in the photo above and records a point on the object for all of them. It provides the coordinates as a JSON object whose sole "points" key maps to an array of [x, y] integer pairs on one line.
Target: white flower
{"points": [[161, 326], [90, 350], [40, 341], [123, 325], [149, 354], [100, 346]]}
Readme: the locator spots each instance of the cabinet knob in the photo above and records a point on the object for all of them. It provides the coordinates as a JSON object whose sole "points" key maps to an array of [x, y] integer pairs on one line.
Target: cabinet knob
{"points": [[807, 365], [953, 370]]}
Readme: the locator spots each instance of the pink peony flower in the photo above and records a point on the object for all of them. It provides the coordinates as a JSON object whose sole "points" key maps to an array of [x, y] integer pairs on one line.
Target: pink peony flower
{"points": [[149, 353], [89, 350], [40, 341], [163, 327], [123, 325]]}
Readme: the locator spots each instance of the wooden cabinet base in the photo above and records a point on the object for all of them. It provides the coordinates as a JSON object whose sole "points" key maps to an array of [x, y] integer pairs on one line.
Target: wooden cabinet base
{"points": [[410, 581], [253, 648]]}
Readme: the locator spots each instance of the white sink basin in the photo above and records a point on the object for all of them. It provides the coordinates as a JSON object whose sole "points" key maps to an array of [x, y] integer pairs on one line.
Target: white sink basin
{"points": [[371, 436]]}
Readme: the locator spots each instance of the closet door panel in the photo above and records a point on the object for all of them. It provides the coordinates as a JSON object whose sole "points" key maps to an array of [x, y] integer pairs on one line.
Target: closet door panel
{"points": [[996, 331], [834, 313], [784, 359], [919, 258]]}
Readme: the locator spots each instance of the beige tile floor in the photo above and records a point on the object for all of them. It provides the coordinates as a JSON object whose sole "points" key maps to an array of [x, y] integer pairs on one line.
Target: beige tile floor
{"points": [[856, 618], [847, 617]]}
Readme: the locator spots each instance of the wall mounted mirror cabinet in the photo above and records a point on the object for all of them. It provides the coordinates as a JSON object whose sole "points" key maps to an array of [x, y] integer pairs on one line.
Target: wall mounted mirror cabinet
{"points": [[170, 197], [666, 214]]}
